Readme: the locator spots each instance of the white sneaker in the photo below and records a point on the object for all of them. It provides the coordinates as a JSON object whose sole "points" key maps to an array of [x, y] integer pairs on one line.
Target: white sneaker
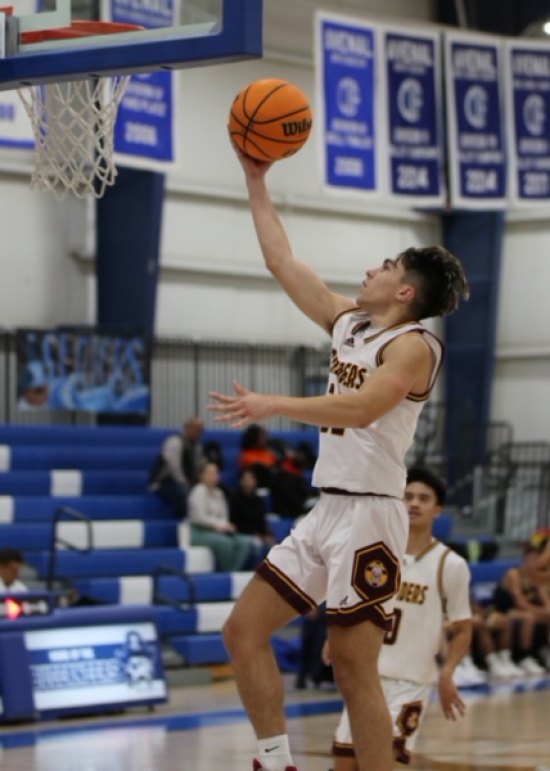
{"points": [[467, 673], [531, 666], [501, 665]]}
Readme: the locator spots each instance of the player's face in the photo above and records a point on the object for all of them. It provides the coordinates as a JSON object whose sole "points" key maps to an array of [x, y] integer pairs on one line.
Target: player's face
{"points": [[422, 505], [381, 285]]}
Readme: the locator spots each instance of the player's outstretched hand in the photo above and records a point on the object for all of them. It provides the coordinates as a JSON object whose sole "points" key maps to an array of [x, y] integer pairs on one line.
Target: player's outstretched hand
{"points": [[243, 408], [451, 702], [253, 169]]}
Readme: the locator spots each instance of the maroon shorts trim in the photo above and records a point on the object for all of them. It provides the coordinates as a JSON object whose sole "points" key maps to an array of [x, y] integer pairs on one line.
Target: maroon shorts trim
{"points": [[358, 614], [340, 750], [288, 590]]}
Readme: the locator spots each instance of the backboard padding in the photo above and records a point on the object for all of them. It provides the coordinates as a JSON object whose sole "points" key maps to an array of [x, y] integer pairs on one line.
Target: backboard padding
{"points": [[239, 36]]}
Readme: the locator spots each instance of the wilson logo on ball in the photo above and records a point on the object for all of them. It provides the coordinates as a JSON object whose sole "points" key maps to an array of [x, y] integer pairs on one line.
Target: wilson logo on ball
{"points": [[296, 127]]}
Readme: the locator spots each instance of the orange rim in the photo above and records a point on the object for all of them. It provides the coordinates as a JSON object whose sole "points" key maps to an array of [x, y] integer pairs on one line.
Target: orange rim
{"points": [[77, 29]]}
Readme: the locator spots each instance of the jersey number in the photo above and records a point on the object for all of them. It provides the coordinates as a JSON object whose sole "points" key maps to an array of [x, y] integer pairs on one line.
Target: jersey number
{"points": [[327, 429], [391, 636]]}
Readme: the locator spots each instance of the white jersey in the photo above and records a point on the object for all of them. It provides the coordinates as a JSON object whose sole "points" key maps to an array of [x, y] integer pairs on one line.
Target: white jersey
{"points": [[434, 587], [371, 459]]}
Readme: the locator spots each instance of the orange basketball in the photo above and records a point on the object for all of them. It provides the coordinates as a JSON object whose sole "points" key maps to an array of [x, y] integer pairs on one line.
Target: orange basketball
{"points": [[270, 119]]}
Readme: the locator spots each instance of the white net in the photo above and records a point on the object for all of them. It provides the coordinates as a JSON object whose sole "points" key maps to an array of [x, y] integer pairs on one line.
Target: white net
{"points": [[73, 126]]}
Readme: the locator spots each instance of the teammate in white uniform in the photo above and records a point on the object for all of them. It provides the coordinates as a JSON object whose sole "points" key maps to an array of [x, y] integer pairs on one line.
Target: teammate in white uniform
{"points": [[434, 591], [348, 548]]}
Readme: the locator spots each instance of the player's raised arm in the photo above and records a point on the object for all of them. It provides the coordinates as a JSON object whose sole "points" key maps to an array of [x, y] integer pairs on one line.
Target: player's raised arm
{"points": [[305, 288]]}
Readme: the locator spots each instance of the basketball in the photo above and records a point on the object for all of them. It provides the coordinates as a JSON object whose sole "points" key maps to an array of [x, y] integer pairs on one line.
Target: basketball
{"points": [[270, 119]]}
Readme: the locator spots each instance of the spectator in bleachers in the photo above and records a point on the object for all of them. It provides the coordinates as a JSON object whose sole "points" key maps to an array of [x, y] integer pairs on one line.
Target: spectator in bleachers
{"points": [[257, 455], [524, 593], [11, 561], [290, 491], [247, 508], [176, 468], [493, 641], [211, 526]]}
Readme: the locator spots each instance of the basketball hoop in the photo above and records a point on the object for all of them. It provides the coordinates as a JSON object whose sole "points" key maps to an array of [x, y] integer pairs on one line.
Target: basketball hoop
{"points": [[73, 122]]}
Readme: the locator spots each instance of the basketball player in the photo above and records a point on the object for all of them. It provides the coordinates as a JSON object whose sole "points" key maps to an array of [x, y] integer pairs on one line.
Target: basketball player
{"points": [[434, 590], [347, 550]]}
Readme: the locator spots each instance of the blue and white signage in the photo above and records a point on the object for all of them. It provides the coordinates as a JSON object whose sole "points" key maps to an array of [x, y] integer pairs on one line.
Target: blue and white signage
{"points": [[347, 90], [475, 131], [529, 120], [86, 666], [413, 91], [145, 127]]}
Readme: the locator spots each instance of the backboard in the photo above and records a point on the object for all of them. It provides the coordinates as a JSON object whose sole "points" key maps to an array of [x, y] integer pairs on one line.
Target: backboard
{"points": [[176, 34]]}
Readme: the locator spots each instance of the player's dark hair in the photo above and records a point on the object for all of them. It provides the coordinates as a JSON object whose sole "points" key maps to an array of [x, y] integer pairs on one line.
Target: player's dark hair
{"points": [[438, 278], [8, 555], [431, 480]]}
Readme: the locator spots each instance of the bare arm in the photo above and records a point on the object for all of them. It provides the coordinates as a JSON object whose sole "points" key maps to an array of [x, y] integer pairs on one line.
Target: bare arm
{"points": [[304, 287], [458, 647], [407, 360]]}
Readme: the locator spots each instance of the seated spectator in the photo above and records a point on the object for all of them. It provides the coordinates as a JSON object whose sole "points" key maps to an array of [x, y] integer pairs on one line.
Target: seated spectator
{"points": [[257, 455], [11, 561], [493, 640], [524, 594], [211, 526], [247, 508], [176, 468], [290, 491]]}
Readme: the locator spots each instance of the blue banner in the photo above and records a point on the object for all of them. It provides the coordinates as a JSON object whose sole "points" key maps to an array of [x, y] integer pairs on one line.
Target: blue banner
{"points": [[346, 84], [145, 124], [413, 99], [476, 144], [82, 370], [529, 68]]}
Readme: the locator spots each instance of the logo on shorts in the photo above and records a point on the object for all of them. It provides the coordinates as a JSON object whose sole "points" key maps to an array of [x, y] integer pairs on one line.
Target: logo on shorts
{"points": [[376, 574]]}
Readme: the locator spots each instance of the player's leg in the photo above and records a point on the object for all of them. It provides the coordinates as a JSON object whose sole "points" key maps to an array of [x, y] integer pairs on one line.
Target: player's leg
{"points": [[354, 653], [259, 611]]}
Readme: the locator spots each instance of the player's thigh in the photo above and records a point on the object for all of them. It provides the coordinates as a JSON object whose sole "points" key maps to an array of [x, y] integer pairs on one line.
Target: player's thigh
{"points": [[258, 612]]}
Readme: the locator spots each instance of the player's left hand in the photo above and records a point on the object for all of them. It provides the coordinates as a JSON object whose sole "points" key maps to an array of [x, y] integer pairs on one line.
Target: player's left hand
{"points": [[451, 702], [246, 407]]}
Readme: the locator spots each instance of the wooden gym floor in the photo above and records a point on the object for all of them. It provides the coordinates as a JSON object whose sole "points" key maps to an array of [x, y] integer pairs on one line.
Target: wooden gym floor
{"points": [[203, 728]]}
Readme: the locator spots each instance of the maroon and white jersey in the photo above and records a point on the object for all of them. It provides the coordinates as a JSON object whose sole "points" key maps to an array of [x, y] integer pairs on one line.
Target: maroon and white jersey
{"points": [[371, 459], [435, 587]]}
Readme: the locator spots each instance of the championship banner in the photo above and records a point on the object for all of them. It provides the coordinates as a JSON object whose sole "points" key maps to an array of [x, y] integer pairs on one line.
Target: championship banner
{"points": [[528, 69], [348, 98], [413, 97], [475, 125], [72, 369], [145, 126]]}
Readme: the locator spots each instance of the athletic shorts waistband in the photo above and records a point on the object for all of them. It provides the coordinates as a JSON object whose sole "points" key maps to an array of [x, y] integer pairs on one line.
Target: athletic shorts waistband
{"points": [[339, 491]]}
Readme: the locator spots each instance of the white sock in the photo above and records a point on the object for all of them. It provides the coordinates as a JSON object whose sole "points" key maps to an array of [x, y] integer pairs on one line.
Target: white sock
{"points": [[274, 753]]}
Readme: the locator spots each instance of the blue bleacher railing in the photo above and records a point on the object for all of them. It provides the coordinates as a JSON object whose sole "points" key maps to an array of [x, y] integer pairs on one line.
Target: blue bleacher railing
{"points": [[65, 512], [159, 599]]}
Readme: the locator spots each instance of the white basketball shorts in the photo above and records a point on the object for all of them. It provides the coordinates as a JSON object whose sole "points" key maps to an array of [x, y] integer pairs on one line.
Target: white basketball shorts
{"points": [[347, 551]]}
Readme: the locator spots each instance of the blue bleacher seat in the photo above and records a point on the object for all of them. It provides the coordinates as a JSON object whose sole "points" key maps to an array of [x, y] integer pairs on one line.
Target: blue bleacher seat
{"points": [[113, 534], [24, 458], [38, 508], [200, 649]]}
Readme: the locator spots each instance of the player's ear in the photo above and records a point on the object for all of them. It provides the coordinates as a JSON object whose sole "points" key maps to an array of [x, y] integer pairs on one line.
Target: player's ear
{"points": [[406, 293]]}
